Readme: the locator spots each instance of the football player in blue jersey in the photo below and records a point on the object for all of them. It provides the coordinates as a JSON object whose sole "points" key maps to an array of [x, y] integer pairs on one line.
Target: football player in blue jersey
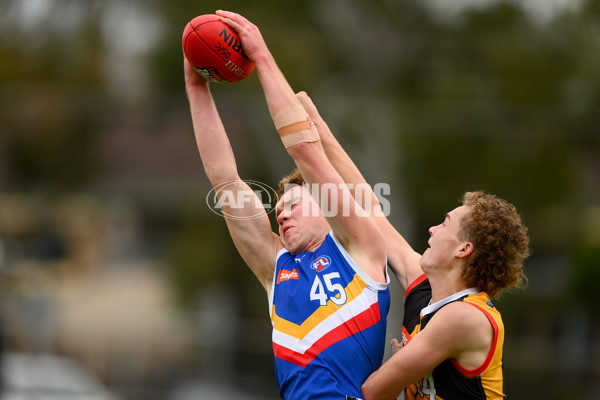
{"points": [[324, 273]]}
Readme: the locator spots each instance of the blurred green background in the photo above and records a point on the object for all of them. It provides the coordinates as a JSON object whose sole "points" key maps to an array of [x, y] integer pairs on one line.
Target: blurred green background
{"points": [[110, 256]]}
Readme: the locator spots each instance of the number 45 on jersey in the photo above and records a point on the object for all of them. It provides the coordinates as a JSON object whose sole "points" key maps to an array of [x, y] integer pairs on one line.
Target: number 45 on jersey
{"points": [[328, 289]]}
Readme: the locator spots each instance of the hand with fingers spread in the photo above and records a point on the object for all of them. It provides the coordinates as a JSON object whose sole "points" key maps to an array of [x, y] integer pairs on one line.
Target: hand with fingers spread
{"points": [[252, 40], [331, 281]]}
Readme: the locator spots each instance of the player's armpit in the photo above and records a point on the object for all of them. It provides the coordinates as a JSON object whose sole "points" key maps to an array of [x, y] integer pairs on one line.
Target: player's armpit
{"points": [[250, 229]]}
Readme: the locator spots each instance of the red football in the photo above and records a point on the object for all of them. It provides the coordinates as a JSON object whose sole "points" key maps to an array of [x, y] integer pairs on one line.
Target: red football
{"points": [[215, 51]]}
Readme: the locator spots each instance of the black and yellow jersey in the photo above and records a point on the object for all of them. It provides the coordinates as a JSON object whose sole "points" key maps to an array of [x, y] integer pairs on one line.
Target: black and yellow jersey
{"points": [[449, 380]]}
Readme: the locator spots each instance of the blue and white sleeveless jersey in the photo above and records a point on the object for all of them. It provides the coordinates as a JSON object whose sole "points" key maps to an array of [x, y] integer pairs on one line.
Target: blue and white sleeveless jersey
{"points": [[329, 323]]}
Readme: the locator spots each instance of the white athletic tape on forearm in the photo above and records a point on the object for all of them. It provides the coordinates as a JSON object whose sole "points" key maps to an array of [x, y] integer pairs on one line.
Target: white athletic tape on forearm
{"points": [[295, 126]]}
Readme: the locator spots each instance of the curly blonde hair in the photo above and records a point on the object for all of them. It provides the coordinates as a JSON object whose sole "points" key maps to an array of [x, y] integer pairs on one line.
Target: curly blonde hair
{"points": [[500, 241]]}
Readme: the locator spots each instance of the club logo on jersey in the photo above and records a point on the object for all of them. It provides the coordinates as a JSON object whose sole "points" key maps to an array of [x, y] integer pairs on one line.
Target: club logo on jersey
{"points": [[321, 263], [287, 275], [490, 304]]}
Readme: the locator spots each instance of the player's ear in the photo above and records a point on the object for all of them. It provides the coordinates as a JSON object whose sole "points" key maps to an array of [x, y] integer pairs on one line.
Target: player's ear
{"points": [[465, 249]]}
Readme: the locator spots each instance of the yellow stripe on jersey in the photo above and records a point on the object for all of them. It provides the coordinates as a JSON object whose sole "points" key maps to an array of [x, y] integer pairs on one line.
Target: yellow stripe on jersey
{"points": [[353, 290]]}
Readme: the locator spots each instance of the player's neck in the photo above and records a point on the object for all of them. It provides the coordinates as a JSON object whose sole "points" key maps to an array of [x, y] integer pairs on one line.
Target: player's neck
{"points": [[445, 286], [310, 246]]}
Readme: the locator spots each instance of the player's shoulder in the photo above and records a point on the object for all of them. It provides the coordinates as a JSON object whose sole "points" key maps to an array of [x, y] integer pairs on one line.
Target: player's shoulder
{"points": [[461, 312], [454, 329], [461, 320]]}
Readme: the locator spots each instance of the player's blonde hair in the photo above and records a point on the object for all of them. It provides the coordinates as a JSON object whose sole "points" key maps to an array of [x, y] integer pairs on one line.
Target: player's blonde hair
{"points": [[501, 244], [293, 178]]}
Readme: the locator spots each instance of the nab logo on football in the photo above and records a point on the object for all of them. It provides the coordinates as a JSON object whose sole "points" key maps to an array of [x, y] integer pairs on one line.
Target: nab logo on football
{"points": [[321, 263]]}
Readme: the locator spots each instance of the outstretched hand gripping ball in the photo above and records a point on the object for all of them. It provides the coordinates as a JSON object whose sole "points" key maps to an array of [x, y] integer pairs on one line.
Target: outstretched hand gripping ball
{"points": [[215, 51]]}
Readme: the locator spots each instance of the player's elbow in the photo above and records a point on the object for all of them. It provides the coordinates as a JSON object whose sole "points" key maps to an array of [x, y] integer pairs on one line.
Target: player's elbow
{"points": [[367, 391], [374, 389], [368, 388]]}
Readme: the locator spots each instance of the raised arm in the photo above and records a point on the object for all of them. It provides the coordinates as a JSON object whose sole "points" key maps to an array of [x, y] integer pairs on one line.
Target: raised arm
{"points": [[359, 236], [402, 259], [246, 218]]}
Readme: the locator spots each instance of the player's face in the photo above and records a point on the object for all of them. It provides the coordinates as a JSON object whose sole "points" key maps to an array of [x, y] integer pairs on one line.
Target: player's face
{"points": [[302, 226], [444, 242]]}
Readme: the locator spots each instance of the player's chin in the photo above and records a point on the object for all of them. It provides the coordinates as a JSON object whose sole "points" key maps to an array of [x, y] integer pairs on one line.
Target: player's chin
{"points": [[293, 247], [286, 242], [424, 258]]}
